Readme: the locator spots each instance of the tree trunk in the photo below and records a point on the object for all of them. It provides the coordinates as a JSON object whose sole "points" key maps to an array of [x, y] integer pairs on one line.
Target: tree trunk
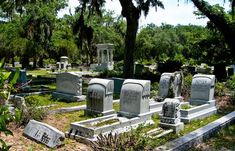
{"points": [[34, 62], [40, 62], [132, 15], [25, 62], [220, 72], [13, 60], [227, 29]]}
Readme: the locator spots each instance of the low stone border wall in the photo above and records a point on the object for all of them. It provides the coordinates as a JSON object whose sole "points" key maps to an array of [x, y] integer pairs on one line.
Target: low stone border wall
{"points": [[199, 135], [72, 109]]}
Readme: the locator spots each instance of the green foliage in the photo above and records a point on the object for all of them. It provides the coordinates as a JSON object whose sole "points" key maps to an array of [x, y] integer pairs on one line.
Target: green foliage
{"points": [[5, 118], [185, 106], [231, 83], [154, 89], [220, 89], [6, 86], [186, 88], [126, 141]]}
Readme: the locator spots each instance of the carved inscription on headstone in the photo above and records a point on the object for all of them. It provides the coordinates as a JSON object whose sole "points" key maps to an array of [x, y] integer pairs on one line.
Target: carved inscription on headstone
{"points": [[203, 87], [44, 134], [171, 111], [100, 95], [134, 98]]}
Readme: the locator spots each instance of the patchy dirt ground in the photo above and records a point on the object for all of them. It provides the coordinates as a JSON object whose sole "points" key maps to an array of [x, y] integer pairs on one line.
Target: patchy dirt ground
{"points": [[21, 143]]}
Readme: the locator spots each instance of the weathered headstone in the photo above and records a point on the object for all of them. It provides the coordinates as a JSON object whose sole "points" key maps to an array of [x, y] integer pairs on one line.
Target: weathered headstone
{"points": [[170, 117], [202, 88], [100, 96], [134, 99], [44, 134], [68, 86], [170, 85], [202, 98]]}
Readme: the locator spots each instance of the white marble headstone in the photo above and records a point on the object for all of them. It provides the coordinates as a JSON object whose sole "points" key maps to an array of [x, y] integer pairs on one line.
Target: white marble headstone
{"points": [[134, 99], [202, 88], [164, 84], [44, 134], [100, 95]]}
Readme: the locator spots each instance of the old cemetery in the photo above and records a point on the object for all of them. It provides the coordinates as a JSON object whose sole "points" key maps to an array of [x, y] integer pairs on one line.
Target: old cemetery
{"points": [[78, 110], [77, 76]]}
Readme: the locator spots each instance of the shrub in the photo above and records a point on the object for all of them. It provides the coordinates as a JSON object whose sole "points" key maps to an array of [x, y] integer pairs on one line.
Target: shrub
{"points": [[154, 89], [133, 140], [230, 84], [220, 89], [6, 86], [34, 111], [186, 88], [5, 118]]}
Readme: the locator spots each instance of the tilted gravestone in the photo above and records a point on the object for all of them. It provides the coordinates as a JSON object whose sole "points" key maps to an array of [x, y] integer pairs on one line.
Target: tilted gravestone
{"points": [[44, 134], [69, 86], [170, 85], [202, 89], [134, 98], [100, 96], [170, 117]]}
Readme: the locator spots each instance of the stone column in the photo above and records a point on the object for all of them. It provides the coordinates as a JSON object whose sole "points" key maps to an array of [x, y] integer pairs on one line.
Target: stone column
{"points": [[102, 56], [107, 55], [111, 55], [98, 56]]}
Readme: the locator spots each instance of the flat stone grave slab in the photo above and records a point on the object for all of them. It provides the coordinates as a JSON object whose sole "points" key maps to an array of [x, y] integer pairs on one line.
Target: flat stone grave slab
{"points": [[44, 134]]}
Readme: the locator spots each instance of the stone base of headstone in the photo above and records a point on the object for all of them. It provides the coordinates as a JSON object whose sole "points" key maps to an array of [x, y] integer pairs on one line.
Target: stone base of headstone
{"points": [[176, 127], [86, 129], [68, 97], [44, 134], [180, 98], [93, 112], [198, 112]]}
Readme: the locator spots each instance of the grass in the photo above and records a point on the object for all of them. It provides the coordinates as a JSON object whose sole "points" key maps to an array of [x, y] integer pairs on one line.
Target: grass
{"points": [[185, 106], [106, 122], [224, 140], [155, 142], [46, 100], [37, 72]]}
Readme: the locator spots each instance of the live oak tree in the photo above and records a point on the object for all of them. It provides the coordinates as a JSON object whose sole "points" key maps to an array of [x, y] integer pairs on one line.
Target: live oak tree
{"points": [[223, 22]]}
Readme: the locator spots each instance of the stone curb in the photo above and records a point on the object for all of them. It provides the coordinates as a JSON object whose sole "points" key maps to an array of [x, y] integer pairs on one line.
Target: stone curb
{"points": [[198, 136]]}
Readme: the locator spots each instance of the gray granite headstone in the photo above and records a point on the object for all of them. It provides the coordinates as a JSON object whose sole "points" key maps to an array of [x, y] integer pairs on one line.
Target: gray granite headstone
{"points": [[170, 117], [134, 99], [70, 83], [44, 134], [100, 96], [202, 88], [164, 84], [171, 111], [170, 81]]}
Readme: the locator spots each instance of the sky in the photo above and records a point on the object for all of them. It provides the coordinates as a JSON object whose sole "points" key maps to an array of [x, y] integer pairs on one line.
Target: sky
{"points": [[174, 13]]}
